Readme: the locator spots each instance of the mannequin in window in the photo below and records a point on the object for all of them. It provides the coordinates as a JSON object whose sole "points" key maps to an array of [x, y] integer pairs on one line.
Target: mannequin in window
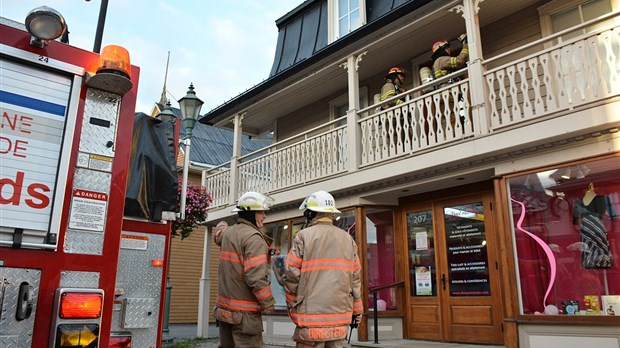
{"points": [[595, 251]]}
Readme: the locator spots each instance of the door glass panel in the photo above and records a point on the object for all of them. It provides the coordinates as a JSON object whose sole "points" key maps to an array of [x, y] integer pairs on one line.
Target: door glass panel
{"points": [[421, 250], [468, 267]]}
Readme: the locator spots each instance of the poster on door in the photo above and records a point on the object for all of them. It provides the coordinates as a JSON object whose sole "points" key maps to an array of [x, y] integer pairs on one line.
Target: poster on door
{"points": [[468, 267], [423, 283]]}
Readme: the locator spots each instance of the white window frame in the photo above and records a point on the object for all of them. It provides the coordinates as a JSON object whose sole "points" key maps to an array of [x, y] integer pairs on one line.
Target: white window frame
{"points": [[333, 16], [556, 6]]}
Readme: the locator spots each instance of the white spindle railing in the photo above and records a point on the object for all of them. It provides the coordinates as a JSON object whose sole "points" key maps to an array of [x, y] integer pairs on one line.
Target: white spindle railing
{"points": [[421, 122], [574, 73], [218, 185], [312, 158]]}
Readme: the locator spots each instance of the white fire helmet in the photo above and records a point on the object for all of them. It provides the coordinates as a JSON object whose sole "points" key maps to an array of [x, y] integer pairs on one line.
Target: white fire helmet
{"points": [[320, 202], [253, 201]]}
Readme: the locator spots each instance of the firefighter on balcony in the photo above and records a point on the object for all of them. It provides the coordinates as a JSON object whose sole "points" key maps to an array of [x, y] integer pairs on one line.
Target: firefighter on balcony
{"points": [[322, 277], [443, 62], [244, 291], [394, 80]]}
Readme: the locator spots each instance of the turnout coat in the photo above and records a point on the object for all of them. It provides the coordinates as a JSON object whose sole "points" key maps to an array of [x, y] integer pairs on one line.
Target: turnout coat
{"points": [[243, 271], [322, 281]]}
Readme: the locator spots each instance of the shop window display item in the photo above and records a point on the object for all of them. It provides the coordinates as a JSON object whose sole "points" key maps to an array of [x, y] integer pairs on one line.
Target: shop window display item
{"points": [[595, 251]]}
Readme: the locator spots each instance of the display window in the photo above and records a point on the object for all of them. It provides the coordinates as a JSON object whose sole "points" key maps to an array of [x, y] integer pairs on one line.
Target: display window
{"points": [[381, 253], [566, 237], [280, 244]]}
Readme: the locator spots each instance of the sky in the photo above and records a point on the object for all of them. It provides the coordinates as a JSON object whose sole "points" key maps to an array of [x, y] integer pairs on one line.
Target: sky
{"points": [[222, 47]]}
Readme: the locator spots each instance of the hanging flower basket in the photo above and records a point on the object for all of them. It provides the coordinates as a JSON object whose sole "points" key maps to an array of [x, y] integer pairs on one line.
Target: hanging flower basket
{"points": [[197, 206]]}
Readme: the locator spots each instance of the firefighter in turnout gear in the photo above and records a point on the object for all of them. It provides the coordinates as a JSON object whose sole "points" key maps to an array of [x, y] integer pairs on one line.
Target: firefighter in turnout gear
{"points": [[443, 62], [394, 80], [244, 291], [322, 277]]}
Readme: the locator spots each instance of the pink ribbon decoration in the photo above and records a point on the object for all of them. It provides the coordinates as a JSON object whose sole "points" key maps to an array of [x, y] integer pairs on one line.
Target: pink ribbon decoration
{"points": [[546, 248]]}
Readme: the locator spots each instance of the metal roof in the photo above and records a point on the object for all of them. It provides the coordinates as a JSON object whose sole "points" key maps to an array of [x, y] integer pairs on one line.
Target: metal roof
{"points": [[213, 146], [302, 41]]}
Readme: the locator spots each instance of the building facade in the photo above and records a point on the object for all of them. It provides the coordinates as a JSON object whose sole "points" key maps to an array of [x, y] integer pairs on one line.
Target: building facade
{"points": [[484, 202]]}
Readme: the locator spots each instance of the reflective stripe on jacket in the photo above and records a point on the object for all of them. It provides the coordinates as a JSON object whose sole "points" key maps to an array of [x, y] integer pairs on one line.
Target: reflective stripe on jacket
{"points": [[444, 65], [243, 272], [322, 283], [390, 89]]}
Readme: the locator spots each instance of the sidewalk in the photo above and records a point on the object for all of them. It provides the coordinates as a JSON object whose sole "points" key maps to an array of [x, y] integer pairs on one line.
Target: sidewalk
{"points": [[185, 337]]}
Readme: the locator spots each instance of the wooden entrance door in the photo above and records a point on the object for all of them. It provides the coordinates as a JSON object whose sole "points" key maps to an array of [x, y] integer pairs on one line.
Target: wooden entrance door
{"points": [[453, 282]]}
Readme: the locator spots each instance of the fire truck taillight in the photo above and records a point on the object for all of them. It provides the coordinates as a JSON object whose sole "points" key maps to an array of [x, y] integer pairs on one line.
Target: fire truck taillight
{"points": [[80, 305], [120, 342], [77, 317], [157, 263], [77, 335]]}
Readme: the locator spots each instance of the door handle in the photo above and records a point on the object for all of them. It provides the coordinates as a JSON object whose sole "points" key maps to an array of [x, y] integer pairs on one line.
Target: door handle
{"points": [[443, 281], [26, 301]]}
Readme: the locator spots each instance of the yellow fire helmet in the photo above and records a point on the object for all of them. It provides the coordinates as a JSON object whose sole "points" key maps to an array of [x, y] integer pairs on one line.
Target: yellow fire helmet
{"points": [[253, 201]]}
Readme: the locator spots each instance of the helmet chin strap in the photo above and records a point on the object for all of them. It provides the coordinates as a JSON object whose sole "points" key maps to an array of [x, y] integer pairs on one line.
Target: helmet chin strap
{"points": [[309, 215]]}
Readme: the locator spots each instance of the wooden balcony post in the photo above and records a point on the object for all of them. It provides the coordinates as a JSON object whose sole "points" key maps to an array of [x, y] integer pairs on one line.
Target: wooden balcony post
{"points": [[353, 131], [234, 161], [478, 87]]}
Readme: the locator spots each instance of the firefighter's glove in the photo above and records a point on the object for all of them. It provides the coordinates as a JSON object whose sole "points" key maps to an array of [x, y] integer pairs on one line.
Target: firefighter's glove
{"points": [[354, 321], [463, 38]]}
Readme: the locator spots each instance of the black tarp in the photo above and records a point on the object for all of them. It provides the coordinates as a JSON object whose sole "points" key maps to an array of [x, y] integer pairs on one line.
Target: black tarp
{"points": [[152, 183]]}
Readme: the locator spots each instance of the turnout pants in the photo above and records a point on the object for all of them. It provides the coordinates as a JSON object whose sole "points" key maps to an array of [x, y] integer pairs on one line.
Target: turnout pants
{"points": [[247, 334], [328, 344]]}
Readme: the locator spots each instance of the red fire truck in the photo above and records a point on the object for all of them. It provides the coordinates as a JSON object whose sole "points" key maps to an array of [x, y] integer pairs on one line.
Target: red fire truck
{"points": [[75, 270]]}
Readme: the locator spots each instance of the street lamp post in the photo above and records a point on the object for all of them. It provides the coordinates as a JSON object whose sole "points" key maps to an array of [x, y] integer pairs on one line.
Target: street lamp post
{"points": [[190, 109]]}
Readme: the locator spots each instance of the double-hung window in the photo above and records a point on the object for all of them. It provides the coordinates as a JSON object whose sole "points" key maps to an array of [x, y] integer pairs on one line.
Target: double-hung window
{"points": [[346, 16]]}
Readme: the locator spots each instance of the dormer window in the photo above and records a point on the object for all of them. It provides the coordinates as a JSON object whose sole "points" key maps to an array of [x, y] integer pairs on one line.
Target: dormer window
{"points": [[345, 16]]}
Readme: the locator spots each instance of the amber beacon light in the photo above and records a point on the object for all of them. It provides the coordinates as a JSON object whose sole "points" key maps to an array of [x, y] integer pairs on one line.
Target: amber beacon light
{"points": [[113, 72]]}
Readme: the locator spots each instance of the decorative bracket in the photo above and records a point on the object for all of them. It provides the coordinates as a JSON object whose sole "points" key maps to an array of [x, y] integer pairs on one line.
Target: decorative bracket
{"points": [[461, 8], [358, 59]]}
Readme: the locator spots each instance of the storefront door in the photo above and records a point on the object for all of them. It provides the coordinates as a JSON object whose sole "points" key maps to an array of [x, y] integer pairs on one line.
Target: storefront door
{"points": [[453, 285]]}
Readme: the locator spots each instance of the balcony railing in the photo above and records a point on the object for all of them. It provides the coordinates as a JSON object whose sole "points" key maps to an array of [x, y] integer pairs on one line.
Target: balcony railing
{"points": [[280, 165], [560, 76], [420, 122]]}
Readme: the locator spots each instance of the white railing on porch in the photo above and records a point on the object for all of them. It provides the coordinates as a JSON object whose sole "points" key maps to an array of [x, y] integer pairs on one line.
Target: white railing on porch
{"points": [[295, 161], [217, 182], [576, 72], [558, 77], [421, 121], [314, 154]]}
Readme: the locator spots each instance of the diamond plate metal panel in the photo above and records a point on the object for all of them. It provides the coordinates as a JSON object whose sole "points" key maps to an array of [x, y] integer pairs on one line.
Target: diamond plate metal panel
{"points": [[14, 333], [9, 341], [91, 180], [76, 279], [139, 313], [137, 279], [100, 121], [81, 242]]}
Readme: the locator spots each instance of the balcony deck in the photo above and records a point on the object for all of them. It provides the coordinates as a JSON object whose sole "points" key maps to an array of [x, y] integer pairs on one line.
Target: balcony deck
{"points": [[563, 91]]}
